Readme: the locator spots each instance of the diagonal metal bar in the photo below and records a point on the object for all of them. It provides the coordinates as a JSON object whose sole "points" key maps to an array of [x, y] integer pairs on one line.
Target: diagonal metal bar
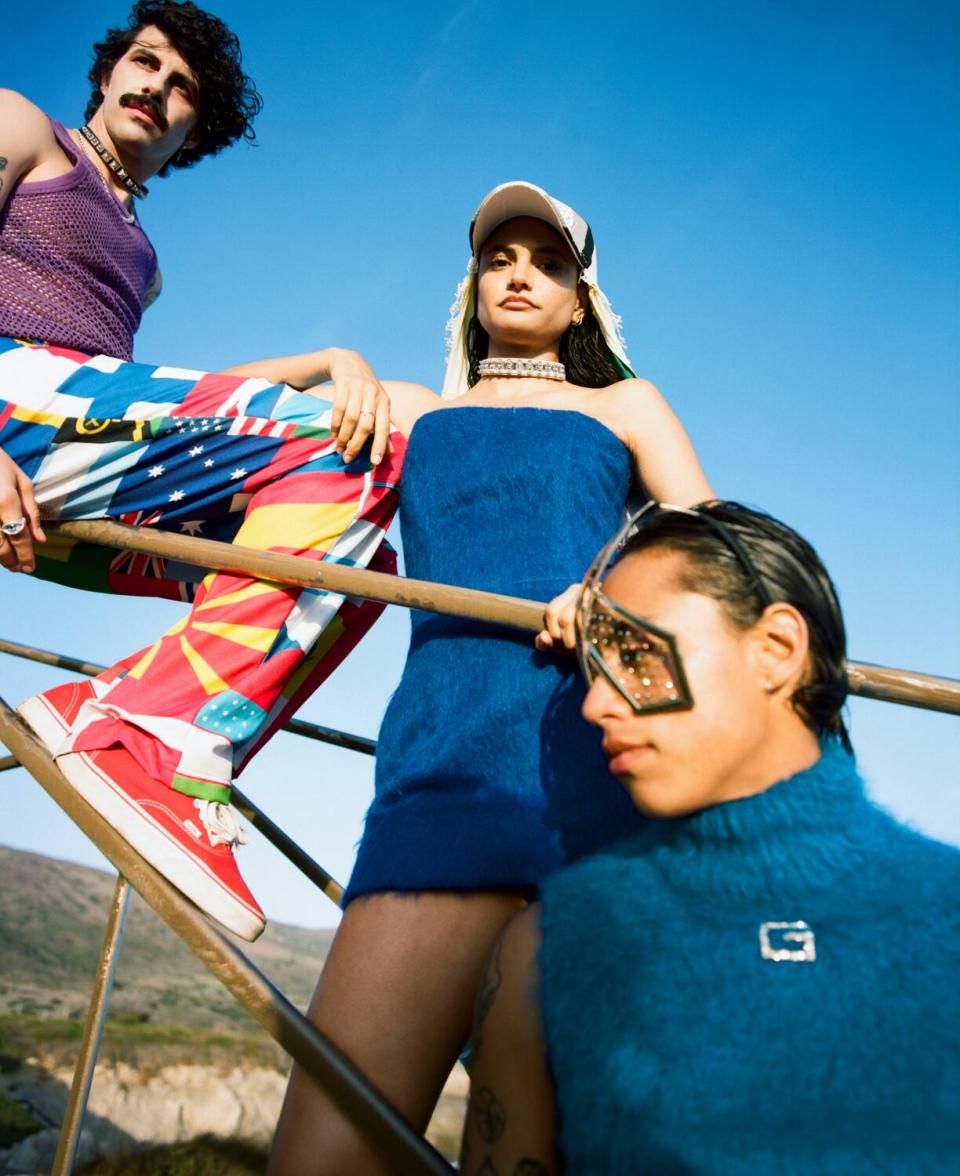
{"points": [[7, 762], [47, 658], [287, 846], [906, 687], [330, 735], [312, 573], [72, 1124], [345, 1085], [884, 683], [294, 726], [307, 865]]}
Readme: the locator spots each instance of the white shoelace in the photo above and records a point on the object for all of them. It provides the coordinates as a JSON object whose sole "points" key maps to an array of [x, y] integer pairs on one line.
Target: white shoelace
{"points": [[221, 824]]}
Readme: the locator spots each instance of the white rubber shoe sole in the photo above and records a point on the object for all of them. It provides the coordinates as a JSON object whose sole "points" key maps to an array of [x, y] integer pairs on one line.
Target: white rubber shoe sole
{"points": [[44, 721], [157, 845], [183, 867]]}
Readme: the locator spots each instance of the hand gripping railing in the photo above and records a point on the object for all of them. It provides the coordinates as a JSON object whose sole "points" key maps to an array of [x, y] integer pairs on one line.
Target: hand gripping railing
{"points": [[884, 683], [345, 1085]]}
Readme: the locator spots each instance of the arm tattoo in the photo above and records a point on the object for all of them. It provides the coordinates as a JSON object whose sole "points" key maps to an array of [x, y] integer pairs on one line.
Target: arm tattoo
{"points": [[488, 994], [490, 1115], [3, 167]]}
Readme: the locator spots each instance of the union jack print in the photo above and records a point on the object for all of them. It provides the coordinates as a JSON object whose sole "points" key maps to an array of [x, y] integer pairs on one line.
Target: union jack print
{"points": [[227, 457]]}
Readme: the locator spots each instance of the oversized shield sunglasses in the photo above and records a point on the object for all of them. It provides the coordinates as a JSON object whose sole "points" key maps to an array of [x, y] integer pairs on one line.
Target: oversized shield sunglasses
{"points": [[640, 660]]}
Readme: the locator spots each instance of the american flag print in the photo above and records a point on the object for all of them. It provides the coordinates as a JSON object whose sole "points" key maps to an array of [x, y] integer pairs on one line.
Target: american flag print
{"points": [[196, 453]]}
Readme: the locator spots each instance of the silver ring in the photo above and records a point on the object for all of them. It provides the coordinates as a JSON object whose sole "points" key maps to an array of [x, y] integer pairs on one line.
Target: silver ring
{"points": [[14, 527]]}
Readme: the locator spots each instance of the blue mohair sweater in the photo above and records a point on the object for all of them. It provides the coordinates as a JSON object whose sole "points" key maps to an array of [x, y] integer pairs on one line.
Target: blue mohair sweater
{"points": [[676, 1046]]}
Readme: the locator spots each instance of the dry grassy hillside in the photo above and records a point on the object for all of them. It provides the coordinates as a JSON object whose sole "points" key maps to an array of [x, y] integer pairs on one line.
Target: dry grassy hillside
{"points": [[180, 1058], [52, 916]]}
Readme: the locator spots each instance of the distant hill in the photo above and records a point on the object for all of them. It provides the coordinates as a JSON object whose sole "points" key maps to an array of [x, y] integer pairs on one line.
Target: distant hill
{"points": [[210, 1068], [52, 918]]}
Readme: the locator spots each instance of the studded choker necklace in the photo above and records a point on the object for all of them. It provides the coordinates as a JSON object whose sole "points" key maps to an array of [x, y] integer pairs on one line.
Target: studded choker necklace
{"points": [[114, 164], [544, 368]]}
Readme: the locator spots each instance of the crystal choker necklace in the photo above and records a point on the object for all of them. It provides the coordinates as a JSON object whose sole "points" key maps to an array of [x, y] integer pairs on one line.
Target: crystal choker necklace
{"points": [[114, 164], [544, 368]]}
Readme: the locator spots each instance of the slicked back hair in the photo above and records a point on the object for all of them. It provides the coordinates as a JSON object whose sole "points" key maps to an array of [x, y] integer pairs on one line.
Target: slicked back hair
{"points": [[791, 570]]}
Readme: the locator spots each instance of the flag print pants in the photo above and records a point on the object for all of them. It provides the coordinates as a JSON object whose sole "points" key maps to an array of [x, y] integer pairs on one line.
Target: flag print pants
{"points": [[227, 458]]}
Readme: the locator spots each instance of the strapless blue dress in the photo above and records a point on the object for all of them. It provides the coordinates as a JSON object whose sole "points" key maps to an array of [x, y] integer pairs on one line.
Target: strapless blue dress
{"points": [[487, 776]]}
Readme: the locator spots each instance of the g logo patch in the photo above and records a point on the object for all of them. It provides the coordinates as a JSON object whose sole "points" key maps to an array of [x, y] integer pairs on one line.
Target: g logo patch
{"points": [[776, 940]]}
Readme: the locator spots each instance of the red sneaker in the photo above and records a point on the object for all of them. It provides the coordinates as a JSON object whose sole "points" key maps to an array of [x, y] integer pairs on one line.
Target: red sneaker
{"points": [[190, 842], [52, 714]]}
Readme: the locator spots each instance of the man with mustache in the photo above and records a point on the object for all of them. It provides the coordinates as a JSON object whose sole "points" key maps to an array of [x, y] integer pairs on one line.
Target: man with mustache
{"points": [[168, 90], [85, 433]]}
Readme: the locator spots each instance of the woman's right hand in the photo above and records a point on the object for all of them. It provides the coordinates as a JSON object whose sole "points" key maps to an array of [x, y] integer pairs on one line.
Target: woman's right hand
{"points": [[17, 502], [560, 621]]}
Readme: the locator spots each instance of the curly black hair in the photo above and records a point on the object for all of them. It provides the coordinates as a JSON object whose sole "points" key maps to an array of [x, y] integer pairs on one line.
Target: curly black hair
{"points": [[228, 101]]}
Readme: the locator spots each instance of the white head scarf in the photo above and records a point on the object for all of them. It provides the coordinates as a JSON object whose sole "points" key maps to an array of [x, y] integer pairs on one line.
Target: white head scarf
{"points": [[520, 198]]}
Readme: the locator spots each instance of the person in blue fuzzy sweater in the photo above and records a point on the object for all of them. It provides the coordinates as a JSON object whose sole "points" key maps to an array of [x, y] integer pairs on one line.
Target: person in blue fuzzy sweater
{"points": [[767, 978]]}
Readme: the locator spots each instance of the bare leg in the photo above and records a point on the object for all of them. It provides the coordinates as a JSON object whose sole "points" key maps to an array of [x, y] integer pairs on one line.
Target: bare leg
{"points": [[396, 996]]}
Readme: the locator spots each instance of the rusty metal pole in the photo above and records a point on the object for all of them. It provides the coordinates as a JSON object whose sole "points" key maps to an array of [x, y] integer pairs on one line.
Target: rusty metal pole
{"points": [[46, 658], [295, 726], [287, 846], [906, 687], [307, 865], [72, 1124], [885, 683], [344, 1084], [294, 854], [312, 573]]}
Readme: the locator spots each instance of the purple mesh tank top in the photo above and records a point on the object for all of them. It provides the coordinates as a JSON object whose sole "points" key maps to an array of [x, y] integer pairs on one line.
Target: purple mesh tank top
{"points": [[74, 264]]}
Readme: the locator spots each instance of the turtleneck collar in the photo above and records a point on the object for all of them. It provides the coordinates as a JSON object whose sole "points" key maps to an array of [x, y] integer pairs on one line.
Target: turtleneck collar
{"points": [[808, 828]]}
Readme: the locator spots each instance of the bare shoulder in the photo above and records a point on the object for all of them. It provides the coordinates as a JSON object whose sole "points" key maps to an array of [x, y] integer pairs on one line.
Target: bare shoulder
{"points": [[521, 954], [665, 460], [510, 979], [634, 391], [13, 102], [26, 135], [408, 390], [22, 117], [636, 403], [408, 402]]}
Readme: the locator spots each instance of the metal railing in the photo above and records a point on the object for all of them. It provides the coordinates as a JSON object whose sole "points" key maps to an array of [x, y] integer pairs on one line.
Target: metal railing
{"points": [[346, 1086], [244, 805], [883, 683]]}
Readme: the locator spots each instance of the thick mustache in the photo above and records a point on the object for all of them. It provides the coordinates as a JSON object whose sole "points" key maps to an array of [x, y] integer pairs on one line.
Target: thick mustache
{"points": [[149, 104]]}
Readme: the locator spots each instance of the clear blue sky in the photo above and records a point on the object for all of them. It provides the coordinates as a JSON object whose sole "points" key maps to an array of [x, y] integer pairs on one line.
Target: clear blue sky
{"points": [[773, 187]]}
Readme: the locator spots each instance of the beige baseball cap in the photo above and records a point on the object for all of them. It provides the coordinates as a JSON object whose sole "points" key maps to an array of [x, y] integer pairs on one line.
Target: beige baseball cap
{"points": [[520, 198]]}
